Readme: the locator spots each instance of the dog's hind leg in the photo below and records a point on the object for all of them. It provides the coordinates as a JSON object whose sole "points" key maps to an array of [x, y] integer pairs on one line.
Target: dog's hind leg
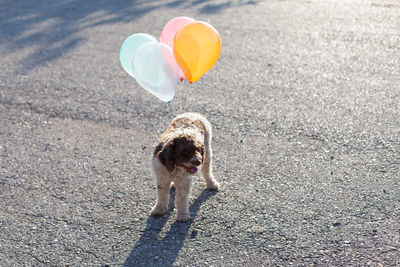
{"points": [[206, 170]]}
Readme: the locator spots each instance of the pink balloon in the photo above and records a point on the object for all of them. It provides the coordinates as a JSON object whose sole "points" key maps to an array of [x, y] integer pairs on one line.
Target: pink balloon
{"points": [[169, 31], [171, 28]]}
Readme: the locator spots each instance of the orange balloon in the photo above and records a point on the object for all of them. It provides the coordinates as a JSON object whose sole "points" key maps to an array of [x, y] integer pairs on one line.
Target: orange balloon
{"points": [[197, 47]]}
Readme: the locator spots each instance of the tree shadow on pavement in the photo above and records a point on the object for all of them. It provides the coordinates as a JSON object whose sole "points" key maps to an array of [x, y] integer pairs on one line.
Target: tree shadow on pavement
{"points": [[151, 250], [49, 29]]}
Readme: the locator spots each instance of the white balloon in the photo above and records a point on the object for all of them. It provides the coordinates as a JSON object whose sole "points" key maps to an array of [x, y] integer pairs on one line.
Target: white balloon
{"points": [[129, 48], [156, 70]]}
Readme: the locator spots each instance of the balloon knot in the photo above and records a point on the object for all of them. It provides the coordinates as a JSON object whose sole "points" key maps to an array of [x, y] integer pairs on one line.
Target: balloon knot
{"points": [[190, 82], [181, 79]]}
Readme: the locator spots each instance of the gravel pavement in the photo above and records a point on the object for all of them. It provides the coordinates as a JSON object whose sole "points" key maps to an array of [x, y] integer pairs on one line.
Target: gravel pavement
{"points": [[305, 105]]}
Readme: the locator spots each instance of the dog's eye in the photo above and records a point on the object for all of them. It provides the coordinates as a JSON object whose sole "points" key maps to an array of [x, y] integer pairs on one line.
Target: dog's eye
{"points": [[186, 155]]}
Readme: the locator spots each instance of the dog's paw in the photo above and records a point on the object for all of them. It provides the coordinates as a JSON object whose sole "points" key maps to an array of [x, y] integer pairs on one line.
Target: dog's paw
{"points": [[211, 182], [183, 217], [158, 211], [213, 185]]}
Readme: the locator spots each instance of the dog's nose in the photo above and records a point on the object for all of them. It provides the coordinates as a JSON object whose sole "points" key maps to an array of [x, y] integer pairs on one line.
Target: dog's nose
{"points": [[196, 162]]}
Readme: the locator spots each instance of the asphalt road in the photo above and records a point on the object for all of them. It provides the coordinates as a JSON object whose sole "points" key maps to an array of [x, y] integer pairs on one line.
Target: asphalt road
{"points": [[305, 105]]}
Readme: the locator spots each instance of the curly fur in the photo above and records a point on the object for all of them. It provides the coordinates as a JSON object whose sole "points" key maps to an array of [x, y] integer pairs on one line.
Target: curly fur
{"points": [[182, 148]]}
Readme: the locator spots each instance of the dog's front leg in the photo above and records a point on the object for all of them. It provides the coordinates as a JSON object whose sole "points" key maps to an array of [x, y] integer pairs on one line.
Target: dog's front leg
{"points": [[182, 185], [161, 205]]}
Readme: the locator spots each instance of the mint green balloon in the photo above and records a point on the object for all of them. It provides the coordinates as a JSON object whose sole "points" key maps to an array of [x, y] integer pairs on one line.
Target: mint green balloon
{"points": [[156, 70], [129, 48]]}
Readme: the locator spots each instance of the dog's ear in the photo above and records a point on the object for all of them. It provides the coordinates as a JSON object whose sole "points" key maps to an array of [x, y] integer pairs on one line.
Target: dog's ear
{"points": [[166, 156]]}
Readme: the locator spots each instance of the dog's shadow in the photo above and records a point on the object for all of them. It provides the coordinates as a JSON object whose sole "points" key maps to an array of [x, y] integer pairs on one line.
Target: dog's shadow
{"points": [[153, 250]]}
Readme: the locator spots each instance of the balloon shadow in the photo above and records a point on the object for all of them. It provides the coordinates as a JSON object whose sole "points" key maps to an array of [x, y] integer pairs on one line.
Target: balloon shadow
{"points": [[153, 250]]}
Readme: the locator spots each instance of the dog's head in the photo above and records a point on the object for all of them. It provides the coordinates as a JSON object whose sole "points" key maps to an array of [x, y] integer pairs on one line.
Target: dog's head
{"points": [[182, 151]]}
